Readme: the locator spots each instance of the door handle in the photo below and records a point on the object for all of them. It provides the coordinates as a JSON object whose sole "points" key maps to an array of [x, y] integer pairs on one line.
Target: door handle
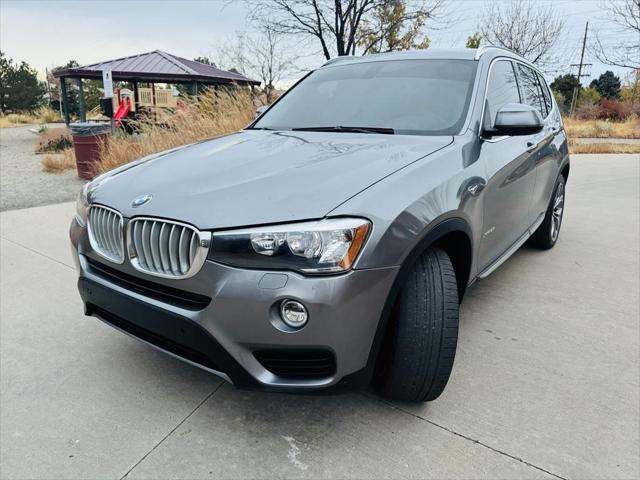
{"points": [[531, 146]]}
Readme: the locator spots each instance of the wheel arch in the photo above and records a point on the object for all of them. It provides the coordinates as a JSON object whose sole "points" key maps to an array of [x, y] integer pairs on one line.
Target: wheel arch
{"points": [[454, 236]]}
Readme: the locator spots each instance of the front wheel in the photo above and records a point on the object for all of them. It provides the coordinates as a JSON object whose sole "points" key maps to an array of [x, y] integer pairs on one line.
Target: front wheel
{"points": [[420, 347], [546, 236]]}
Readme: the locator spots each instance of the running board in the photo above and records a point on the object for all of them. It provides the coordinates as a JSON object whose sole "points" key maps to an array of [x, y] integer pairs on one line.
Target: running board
{"points": [[513, 249]]}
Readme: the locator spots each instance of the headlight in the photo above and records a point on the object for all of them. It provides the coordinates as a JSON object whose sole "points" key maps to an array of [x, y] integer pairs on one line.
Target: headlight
{"points": [[82, 204], [324, 246]]}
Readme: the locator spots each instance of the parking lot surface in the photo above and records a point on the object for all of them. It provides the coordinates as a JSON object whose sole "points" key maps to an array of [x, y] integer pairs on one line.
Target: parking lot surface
{"points": [[545, 383]]}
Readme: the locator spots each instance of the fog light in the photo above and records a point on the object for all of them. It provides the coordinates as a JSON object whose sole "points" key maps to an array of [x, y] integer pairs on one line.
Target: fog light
{"points": [[293, 313]]}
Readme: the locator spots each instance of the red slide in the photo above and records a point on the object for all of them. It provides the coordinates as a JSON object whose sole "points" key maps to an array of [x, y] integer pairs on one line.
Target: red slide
{"points": [[122, 111]]}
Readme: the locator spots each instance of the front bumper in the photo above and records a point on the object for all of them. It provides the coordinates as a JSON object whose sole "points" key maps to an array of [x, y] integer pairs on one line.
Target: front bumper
{"points": [[222, 318]]}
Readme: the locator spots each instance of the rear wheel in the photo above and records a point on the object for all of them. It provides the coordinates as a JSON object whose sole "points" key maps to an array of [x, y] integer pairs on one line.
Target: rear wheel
{"points": [[546, 236], [420, 347]]}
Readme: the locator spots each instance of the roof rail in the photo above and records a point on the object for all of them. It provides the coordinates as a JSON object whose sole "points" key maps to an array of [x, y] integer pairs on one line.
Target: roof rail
{"points": [[337, 59], [484, 48]]}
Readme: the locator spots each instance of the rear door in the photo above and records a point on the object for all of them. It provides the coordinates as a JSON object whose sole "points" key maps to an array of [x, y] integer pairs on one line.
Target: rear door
{"points": [[548, 145], [510, 169]]}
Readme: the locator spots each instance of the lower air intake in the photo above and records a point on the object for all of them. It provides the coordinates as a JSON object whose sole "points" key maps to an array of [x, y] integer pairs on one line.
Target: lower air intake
{"points": [[298, 363]]}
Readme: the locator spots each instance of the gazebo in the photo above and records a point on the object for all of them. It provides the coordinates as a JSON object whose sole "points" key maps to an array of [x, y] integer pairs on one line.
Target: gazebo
{"points": [[148, 69]]}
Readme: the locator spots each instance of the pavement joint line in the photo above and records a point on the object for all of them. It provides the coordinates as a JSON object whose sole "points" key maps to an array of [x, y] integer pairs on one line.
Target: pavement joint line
{"points": [[478, 442], [222, 382], [37, 252]]}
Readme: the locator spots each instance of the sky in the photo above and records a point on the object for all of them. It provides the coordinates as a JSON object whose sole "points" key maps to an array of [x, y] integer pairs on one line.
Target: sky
{"points": [[47, 33]]}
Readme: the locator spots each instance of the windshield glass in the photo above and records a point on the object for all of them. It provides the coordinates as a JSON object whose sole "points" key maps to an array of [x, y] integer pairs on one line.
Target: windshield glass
{"points": [[421, 97]]}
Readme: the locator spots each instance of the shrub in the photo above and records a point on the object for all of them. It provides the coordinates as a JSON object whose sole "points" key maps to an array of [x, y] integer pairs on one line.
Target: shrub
{"points": [[54, 140], [588, 111], [560, 100], [613, 110], [589, 95]]}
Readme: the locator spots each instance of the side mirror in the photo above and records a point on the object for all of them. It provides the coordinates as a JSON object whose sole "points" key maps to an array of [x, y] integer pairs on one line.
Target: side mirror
{"points": [[261, 110], [516, 119]]}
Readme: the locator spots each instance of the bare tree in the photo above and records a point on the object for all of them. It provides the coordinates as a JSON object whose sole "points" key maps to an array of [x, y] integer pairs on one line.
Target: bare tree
{"points": [[262, 55], [337, 25], [528, 28], [626, 51], [269, 60]]}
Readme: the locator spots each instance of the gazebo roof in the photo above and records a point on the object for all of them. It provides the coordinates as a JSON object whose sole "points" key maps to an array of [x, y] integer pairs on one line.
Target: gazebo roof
{"points": [[157, 66]]}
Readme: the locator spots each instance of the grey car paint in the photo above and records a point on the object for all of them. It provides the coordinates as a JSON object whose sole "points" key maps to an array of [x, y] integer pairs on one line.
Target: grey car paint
{"points": [[203, 183], [496, 189]]}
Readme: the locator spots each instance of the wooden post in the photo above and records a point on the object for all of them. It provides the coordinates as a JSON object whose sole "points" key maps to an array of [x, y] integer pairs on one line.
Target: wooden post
{"points": [[83, 114], [155, 109], [136, 100], [194, 88], [65, 106]]}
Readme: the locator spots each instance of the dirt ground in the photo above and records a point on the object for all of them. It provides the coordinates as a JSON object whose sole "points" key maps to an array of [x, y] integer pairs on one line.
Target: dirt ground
{"points": [[22, 182]]}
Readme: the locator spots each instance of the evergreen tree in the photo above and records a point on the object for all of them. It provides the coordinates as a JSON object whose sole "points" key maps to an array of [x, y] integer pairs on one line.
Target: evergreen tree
{"points": [[608, 85], [20, 88]]}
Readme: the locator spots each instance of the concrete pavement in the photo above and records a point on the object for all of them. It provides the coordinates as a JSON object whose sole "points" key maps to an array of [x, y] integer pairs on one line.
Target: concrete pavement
{"points": [[545, 384]]}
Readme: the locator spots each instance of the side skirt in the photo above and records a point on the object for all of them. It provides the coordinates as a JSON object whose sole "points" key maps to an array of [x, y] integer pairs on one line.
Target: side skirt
{"points": [[512, 249]]}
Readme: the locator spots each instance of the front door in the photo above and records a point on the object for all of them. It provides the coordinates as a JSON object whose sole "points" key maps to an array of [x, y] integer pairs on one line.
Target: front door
{"points": [[510, 164]]}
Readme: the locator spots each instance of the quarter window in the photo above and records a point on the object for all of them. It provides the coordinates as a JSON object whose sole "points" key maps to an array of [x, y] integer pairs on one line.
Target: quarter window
{"points": [[545, 93], [531, 89], [502, 89]]}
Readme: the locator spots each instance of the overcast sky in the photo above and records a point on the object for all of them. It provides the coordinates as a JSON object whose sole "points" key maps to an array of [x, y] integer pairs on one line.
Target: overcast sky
{"points": [[49, 33]]}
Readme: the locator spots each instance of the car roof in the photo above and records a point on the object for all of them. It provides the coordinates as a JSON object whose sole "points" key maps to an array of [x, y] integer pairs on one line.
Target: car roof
{"points": [[430, 53]]}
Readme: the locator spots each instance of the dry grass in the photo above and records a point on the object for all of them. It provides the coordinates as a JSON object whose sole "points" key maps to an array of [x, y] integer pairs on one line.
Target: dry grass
{"points": [[40, 116], [15, 119], [60, 162], [603, 147], [577, 128], [213, 114]]}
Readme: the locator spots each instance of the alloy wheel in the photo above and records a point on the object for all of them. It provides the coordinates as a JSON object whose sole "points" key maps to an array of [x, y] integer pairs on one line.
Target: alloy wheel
{"points": [[556, 213]]}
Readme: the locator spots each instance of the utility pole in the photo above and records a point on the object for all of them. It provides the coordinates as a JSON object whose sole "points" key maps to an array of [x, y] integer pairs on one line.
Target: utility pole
{"points": [[576, 90], [46, 76]]}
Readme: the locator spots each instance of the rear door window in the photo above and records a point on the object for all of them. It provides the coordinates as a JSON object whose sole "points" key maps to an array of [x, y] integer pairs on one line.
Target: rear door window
{"points": [[502, 89], [531, 91]]}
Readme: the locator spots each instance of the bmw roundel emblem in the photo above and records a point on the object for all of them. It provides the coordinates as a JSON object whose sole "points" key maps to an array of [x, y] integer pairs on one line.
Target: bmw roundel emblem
{"points": [[141, 200]]}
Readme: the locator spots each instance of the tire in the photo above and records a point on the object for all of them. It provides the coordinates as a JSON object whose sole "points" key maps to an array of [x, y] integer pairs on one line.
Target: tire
{"points": [[547, 234], [421, 343]]}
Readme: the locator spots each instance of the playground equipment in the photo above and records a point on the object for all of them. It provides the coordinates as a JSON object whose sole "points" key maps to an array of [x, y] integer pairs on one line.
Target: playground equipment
{"points": [[123, 110], [154, 100]]}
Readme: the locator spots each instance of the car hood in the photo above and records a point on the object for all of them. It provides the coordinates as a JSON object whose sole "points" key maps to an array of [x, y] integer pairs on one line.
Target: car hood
{"points": [[258, 177]]}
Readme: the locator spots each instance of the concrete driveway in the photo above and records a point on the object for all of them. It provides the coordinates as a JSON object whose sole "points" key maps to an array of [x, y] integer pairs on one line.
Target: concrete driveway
{"points": [[545, 384]]}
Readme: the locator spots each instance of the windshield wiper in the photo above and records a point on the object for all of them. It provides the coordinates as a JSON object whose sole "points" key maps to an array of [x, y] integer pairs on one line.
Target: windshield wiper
{"points": [[340, 128]]}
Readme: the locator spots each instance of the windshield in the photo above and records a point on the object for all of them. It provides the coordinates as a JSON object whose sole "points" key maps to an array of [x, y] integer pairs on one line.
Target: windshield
{"points": [[420, 97]]}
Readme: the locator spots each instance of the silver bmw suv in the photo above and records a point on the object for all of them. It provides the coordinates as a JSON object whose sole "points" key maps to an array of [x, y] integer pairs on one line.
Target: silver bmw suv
{"points": [[328, 244]]}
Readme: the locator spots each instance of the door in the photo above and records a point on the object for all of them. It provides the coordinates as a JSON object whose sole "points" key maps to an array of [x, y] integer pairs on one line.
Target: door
{"points": [[510, 170], [548, 144]]}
